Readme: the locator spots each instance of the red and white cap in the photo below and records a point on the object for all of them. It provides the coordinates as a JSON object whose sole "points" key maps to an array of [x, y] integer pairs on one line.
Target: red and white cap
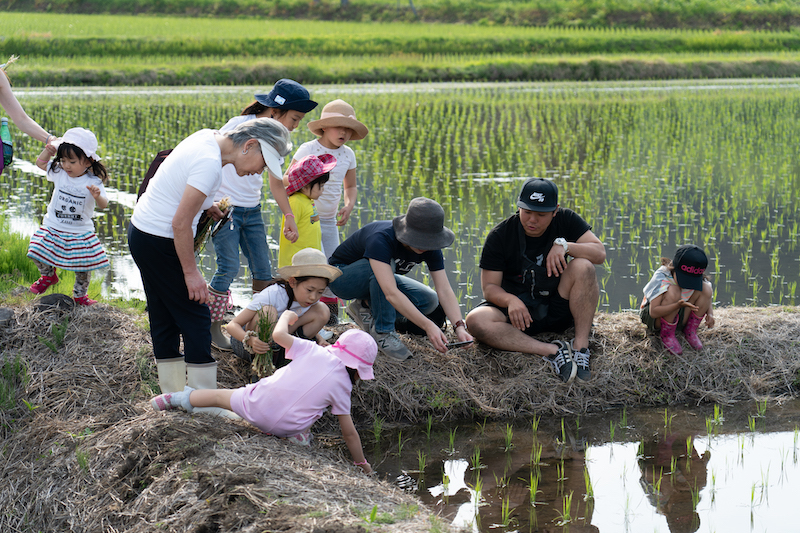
{"points": [[305, 170]]}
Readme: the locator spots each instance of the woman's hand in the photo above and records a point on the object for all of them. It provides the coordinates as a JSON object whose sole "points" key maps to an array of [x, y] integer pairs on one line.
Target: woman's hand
{"points": [[196, 286], [290, 229]]}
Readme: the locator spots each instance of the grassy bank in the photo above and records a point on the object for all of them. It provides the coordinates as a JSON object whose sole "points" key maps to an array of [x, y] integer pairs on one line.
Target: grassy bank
{"points": [[398, 68], [735, 14], [51, 35]]}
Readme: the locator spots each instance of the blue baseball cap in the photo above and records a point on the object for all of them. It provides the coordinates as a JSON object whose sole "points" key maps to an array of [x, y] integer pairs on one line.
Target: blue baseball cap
{"points": [[287, 94]]}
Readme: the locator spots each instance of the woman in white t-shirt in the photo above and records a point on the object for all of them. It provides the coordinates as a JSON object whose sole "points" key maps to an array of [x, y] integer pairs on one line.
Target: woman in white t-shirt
{"points": [[287, 102], [161, 240]]}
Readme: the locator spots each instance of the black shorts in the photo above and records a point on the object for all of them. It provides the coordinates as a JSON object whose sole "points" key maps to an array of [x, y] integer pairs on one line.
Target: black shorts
{"points": [[555, 319]]}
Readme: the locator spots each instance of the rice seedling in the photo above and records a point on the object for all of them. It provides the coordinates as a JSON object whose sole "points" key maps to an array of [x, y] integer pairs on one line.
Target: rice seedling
{"points": [[587, 482], [400, 443], [262, 364], [508, 436], [452, 440], [422, 461], [536, 454], [481, 426], [535, 425], [611, 429], [762, 408], [476, 459], [428, 426], [565, 515], [533, 487], [377, 428], [505, 512]]}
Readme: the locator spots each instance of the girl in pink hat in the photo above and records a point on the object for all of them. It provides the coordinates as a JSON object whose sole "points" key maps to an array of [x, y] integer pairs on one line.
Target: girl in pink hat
{"points": [[66, 238], [336, 126], [287, 403]]}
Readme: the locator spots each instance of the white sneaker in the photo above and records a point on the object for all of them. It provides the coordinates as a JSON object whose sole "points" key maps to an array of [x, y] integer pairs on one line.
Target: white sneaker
{"points": [[391, 345]]}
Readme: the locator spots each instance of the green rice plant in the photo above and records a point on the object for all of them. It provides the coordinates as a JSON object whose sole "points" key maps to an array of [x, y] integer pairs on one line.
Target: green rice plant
{"points": [[509, 436], [505, 512], [673, 464], [452, 440], [533, 487], [377, 428], [762, 408], [623, 423], [422, 461], [13, 375], [565, 515], [428, 426], [262, 364], [400, 443], [587, 482], [718, 418], [751, 423], [82, 456], [476, 458], [535, 425], [611, 429], [481, 426]]}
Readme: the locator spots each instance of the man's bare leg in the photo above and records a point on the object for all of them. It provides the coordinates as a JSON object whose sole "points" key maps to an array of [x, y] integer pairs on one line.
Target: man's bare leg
{"points": [[490, 326], [579, 286]]}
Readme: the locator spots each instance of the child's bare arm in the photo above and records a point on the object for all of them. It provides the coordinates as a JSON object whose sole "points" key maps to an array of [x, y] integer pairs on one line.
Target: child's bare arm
{"points": [[100, 200], [350, 196], [244, 321], [47, 153], [658, 307], [353, 441], [281, 333]]}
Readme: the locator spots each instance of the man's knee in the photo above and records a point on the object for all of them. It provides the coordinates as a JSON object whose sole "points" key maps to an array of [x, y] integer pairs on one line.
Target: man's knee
{"points": [[481, 318]]}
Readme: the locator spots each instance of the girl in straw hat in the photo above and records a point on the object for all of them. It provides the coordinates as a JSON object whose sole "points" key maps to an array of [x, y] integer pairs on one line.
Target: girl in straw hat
{"points": [[336, 126], [298, 288], [287, 403]]}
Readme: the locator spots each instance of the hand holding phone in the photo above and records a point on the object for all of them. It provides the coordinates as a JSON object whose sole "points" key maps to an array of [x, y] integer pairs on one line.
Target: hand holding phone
{"points": [[451, 345]]}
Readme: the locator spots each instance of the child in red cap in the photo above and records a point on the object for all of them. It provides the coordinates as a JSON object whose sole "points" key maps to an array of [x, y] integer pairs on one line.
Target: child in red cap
{"points": [[304, 182], [678, 296], [287, 403]]}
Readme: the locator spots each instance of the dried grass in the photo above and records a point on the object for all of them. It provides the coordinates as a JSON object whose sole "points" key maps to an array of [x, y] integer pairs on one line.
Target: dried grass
{"points": [[90, 455]]}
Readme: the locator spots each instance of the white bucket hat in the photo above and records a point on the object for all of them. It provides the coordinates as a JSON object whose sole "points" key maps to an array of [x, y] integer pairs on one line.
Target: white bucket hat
{"points": [[83, 139]]}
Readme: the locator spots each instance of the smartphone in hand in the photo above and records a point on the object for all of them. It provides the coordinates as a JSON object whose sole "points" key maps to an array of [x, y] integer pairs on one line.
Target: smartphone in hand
{"points": [[461, 344]]}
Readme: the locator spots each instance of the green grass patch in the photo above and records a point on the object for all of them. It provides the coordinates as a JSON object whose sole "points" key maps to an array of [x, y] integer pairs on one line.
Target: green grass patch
{"points": [[763, 14], [13, 376]]}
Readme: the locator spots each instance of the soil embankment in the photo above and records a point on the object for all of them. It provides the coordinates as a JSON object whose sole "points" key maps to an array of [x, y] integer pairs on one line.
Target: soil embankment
{"points": [[83, 451]]}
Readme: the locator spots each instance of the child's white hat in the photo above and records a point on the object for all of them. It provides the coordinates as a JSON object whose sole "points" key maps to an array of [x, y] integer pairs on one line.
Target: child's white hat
{"points": [[338, 113], [83, 139]]}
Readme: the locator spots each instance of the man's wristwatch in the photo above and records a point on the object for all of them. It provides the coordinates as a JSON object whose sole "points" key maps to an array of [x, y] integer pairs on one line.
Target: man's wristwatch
{"points": [[563, 242]]}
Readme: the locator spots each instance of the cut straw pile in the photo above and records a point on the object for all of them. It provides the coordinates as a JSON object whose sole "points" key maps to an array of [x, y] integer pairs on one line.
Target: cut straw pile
{"points": [[83, 450]]}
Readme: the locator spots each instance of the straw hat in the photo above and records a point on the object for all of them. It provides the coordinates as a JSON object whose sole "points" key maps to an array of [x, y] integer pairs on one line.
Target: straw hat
{"points": [[338, 113], [304, 171], [310, 262], [423, 226], [83, 139], [357, 349]]}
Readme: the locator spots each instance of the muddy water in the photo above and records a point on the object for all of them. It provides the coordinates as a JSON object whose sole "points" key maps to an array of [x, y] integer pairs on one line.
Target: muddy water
{"points": [[624, 471]]}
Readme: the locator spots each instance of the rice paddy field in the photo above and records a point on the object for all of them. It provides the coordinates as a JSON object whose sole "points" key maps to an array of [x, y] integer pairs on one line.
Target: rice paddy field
{"points": [[649, 165]]}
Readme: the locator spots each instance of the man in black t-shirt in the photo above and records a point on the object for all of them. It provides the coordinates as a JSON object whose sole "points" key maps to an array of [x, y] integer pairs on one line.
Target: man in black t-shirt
{"points": [[532, 286], [374, 262]]}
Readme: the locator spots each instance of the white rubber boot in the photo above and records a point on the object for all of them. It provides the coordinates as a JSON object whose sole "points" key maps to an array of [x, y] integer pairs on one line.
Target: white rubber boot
{"points": [[205, 377], [171, 374], [218, 338]]}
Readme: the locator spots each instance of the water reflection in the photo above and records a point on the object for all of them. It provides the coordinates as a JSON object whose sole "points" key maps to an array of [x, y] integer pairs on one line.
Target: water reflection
{"points": [[600, 474], [673, 475]]}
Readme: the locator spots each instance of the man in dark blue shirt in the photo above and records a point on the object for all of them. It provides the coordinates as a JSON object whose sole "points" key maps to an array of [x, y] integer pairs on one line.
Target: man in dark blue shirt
{"points": [[374, 261], [530, 286]]}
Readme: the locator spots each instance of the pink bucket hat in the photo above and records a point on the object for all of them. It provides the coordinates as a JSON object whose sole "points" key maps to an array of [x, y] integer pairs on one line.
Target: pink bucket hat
{"points": [[305, 170], [357, 349]]}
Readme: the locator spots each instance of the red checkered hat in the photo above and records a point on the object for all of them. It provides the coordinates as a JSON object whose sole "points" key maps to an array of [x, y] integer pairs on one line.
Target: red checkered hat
{"points": [[304, 171]]}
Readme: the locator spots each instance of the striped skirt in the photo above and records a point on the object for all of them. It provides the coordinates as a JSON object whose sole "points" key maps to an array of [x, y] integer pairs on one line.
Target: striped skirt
{"points": [[78, 252]]}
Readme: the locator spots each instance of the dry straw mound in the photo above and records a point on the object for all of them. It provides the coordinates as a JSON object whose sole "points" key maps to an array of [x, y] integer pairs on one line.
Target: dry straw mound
{"points": [[88, 454], [83, 451]]}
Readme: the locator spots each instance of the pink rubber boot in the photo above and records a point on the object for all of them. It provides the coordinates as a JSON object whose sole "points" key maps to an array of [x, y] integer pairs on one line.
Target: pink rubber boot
{"points": [[690, 331], [667, 334]]}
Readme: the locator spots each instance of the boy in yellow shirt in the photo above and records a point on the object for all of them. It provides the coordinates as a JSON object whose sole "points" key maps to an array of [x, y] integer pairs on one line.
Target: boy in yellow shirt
{"points": [[306, 178]]}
